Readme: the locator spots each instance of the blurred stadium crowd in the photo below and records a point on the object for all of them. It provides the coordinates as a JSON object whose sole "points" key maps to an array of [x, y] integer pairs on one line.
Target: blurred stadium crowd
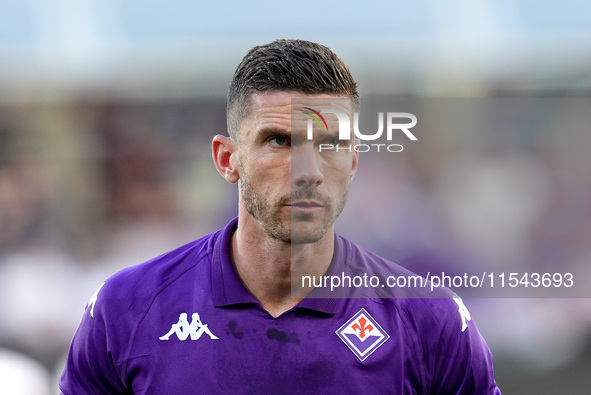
{"points": [[498, 184]]}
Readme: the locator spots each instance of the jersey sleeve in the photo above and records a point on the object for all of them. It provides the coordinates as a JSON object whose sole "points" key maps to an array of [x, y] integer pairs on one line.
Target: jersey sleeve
{"points": [[462, 361], [91, 367]]}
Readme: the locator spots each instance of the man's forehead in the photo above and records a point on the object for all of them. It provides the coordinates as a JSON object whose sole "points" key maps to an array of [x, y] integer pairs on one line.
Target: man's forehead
{"points": [[280, 108]]}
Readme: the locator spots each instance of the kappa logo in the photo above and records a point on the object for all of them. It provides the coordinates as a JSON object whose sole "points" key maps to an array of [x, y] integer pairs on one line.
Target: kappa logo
{"points": [[463, 310], [362, 334], [93, 300], [183, 329]]}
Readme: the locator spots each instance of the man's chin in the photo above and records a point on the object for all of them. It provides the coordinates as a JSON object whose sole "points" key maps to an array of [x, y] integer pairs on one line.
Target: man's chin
{"points": [[307, 233], [296, 238]]}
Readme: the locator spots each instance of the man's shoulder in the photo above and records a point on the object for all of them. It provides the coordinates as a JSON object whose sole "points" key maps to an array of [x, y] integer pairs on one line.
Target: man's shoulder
{"points": [[137, 285], [399, 289], [395, 281], [362, 259]]}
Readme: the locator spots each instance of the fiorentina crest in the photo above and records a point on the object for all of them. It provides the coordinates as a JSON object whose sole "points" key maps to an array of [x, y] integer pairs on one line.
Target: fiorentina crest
{"points": [[362, 334]]}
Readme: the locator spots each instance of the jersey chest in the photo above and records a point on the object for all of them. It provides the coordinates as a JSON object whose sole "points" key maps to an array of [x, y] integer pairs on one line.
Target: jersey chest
{"points": [[201, 348]]}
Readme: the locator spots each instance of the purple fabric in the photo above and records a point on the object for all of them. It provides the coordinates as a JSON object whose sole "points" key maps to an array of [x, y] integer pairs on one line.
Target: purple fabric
{"points": [[183, 323]]}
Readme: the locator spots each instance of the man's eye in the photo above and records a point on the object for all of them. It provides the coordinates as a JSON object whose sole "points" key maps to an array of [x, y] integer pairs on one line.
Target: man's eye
{"points": [[336, 141], [278, 141]]}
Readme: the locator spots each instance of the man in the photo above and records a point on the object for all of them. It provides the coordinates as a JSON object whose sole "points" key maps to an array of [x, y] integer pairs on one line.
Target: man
{"points": [[267, 333]]}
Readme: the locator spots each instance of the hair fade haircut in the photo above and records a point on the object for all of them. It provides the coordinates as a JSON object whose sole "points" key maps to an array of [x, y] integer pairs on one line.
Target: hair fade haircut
{"points": [[287, 65]]}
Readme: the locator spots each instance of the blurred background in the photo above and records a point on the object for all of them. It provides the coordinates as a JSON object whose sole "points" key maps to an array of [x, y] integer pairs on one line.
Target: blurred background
{"points": [[107, 110]]}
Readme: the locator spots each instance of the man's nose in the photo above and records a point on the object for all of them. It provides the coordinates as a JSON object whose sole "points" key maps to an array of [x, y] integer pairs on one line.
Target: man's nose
{"points": [[305, 166]]}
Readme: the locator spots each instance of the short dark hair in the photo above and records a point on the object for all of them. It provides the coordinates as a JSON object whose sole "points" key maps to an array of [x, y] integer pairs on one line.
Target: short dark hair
{"points": [[287, 65]]}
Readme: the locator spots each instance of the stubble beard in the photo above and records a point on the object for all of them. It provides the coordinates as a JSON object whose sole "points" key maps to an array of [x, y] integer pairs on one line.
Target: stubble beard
{"points": [[268, 214]]}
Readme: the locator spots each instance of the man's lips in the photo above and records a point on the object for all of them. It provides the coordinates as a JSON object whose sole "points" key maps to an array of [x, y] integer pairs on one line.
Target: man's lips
{"points": [[305, 204]]}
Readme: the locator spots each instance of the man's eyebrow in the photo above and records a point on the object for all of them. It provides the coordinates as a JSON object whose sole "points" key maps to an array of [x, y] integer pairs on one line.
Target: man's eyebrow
{"points": [[264, 133]]}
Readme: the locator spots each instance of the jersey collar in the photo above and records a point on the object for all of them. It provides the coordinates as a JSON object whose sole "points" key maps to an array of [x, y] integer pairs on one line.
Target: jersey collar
{"points": [[228, 289]]}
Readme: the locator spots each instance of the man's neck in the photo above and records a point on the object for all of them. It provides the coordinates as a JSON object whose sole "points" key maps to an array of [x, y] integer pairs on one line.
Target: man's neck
{"points": [[270, 268]]}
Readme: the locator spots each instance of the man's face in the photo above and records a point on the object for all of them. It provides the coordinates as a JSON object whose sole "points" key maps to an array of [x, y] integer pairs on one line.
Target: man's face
{"points": [[293, 191]]}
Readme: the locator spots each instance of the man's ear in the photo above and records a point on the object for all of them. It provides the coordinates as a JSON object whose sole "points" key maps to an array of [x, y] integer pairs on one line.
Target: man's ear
{"points": [[224, 154]]}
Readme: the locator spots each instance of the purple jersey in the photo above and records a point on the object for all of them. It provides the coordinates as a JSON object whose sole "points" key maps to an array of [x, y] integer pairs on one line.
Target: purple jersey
{"points": [[183, 323]]}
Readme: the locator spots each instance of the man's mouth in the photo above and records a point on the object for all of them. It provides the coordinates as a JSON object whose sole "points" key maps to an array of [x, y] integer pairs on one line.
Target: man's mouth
{"points": [[305, 207], [306, 204]]}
